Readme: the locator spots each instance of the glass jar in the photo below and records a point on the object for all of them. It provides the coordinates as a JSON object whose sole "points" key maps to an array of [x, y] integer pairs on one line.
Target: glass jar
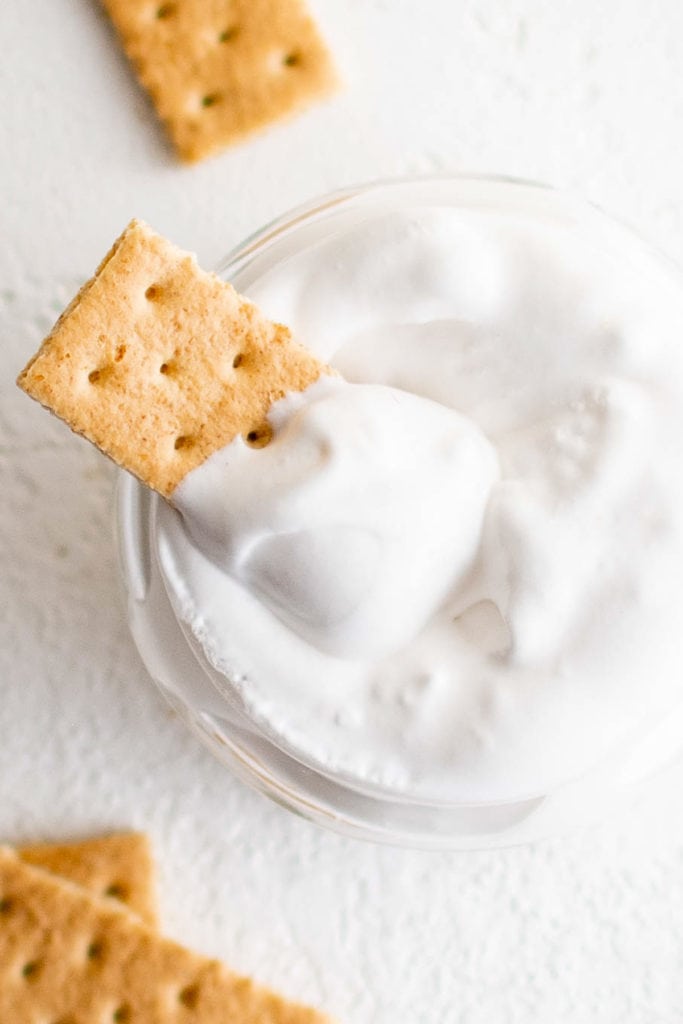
{"points": [[217, 715]]}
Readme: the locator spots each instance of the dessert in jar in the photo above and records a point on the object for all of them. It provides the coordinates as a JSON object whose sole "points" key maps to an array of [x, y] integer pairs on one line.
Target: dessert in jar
{"points": [[441, 605]]}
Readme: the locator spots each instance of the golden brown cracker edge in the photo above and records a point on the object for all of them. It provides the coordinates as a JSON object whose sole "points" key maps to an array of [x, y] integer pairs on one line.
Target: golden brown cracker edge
{"points": [[118, 867], [160, 363], [65, 954], [217, 72]]}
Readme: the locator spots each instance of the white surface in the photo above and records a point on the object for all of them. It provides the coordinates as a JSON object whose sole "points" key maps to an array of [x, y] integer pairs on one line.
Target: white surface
{"points": [[585, 929]]}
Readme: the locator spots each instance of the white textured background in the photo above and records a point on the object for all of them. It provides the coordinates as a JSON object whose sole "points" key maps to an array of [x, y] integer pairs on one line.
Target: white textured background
{"points": [[587, 94]]}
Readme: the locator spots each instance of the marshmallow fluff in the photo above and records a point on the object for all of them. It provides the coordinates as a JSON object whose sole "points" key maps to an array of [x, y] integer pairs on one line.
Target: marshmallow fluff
{"points": [[454, 572]]}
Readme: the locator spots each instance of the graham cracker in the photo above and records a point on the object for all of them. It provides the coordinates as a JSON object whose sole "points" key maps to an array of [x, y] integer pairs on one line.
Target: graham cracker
{"points": [[117, 867], [160, 364], [68, 956], [218, 70]]}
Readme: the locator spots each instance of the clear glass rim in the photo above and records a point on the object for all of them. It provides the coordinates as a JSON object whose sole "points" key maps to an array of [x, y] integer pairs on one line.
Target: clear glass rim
{"points": [[244, 250], [240, 255]]}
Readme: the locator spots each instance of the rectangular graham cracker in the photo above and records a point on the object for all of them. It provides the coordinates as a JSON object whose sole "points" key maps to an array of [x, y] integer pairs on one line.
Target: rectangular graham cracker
{"points": [[118, 867], [217, 70], [68, 956], [160, 363]]}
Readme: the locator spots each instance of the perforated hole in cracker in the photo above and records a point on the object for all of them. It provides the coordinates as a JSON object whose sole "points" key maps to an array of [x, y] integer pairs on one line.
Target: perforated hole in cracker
{"points": [[189, 996], [259, 437], [95, 950], [116, 890], [30, 969]]}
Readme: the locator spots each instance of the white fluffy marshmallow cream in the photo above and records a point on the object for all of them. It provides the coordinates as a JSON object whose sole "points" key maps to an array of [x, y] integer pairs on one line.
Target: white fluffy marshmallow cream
{"points": [[455, 573]]}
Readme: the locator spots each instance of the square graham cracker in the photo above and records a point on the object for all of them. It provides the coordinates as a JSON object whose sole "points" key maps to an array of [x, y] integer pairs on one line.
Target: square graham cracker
{"points": [[68, 956], [160, 364], [117, 867], [217, 70]]}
